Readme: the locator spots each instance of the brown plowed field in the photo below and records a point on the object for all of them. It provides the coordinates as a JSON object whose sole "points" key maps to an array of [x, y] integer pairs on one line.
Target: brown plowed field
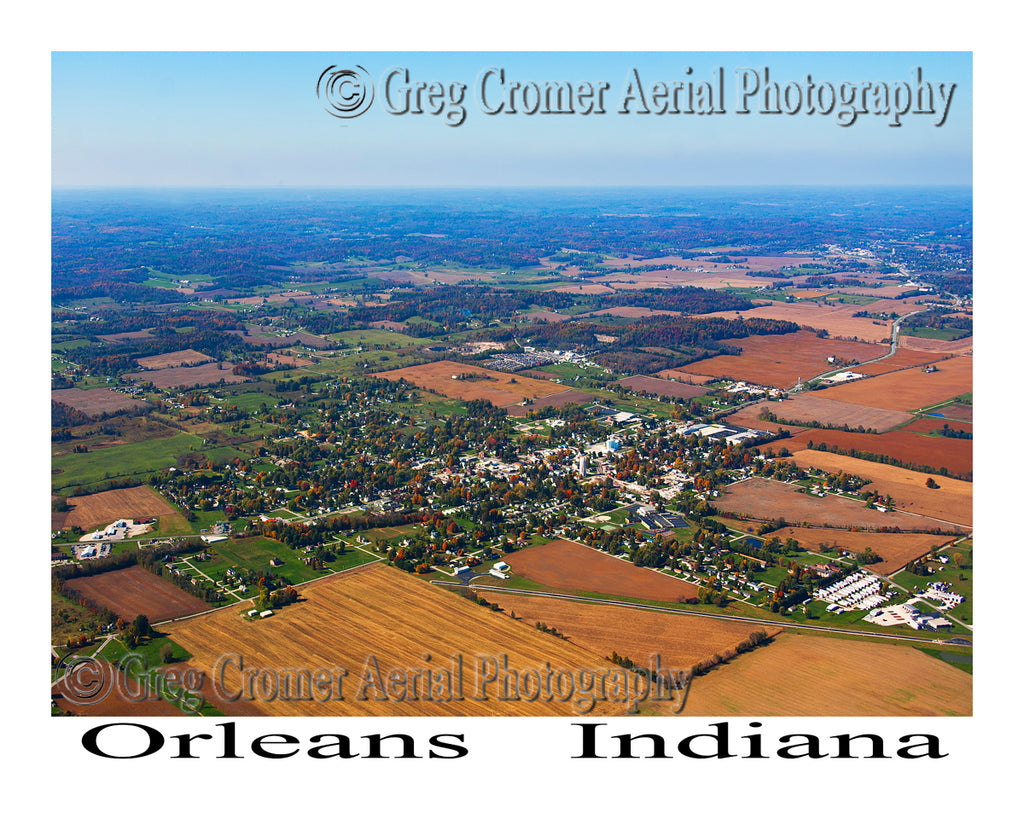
{"points": [[630, 312], [563, 564], [806, 406], [190, 376], [904, 444], [159, 362], [896, 550], [91, 511], [952, 501], [956, 412], [382, 613], [111, 699], [132, 591], [801, 675], [963, 346], [680, 641], [778, 361], [685, 378], [559, 399], [95, 402], [837, 319], [495, 386], [902, 360], [767, 499], [659, 386], [908, 389]]}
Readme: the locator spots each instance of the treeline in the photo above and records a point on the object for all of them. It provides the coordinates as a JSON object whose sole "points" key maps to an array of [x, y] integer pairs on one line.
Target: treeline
{"points": [[881, 458], [756, 638]]}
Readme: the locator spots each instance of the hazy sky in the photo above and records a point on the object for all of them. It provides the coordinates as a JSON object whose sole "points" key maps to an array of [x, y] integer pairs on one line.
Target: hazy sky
{"points": [[254, 119]]}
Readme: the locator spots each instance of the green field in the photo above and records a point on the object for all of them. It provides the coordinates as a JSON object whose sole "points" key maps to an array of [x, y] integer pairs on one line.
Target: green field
{"points": [[255, 553], [140, 458]]}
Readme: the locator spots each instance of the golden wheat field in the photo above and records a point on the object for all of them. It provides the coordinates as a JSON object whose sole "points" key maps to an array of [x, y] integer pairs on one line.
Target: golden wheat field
{"points": [[800, 675], [402, 623]]}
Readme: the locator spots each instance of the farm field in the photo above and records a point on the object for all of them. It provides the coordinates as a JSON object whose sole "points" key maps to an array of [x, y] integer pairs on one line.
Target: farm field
{"points": [[954, 412], [659, 386], [563, 564], [388, 615], [683, 377], [95, 402], [908, 389], [493, 386], [800, 675], [838, 320], [111, 699], [778, 361], [906, 444], [558, 400], [895, 549], [204, 374], [132, 591], [139, 458], [809, 407], [952, 501], [903, 359], [679, 640], [178, 359], [92, 511], [963, 346], [765, 499]]}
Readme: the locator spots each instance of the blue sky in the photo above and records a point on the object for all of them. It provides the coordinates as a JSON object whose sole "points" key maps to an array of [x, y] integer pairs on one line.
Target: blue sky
{"points": [[253, 119]]}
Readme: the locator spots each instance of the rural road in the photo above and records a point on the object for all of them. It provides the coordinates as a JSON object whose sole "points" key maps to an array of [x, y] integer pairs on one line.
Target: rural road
{"points": [[733, 617]]}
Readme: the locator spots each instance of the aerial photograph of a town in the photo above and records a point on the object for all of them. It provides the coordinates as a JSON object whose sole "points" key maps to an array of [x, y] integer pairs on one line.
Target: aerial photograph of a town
{"points": [[327, 445]]}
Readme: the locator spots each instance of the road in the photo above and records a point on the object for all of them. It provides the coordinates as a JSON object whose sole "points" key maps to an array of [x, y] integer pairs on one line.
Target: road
{"points": [[733, 617]]}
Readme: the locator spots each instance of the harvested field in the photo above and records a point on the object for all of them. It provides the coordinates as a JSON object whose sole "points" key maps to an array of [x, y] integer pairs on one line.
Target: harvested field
{"points": [[92, 511], [559, 399], [837, 319], [546, 316], [895, 549], [801, 675], [778, 361], [582, 288], [279, 359], [563, 564], [630, 312], [764, 499], [178, 359], [659, 386], [110, 699], [680, 641], [952, 501], [963, 346], [806, 407], [489, 385], [906, 445], [132, 591], [909, 389], [396, 326], [210, 373], [903, 359], [684, 378], [115, 338], [954, 412], [379, 612], [95, 402]]}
